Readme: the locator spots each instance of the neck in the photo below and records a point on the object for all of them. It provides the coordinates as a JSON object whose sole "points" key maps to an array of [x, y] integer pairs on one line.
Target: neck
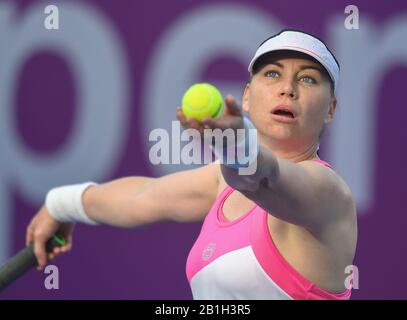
{"points": [[292, 151]]}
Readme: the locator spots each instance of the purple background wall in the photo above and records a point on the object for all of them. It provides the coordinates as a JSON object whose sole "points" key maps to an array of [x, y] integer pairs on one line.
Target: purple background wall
{"points": [[149, 263]]}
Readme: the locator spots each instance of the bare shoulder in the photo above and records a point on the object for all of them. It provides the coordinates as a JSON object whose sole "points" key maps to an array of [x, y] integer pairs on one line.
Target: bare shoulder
{"points": [[330, 180], [336, 195]]}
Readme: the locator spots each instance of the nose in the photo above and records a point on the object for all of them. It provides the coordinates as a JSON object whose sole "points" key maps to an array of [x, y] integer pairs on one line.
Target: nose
{"points": [[288, 89]]}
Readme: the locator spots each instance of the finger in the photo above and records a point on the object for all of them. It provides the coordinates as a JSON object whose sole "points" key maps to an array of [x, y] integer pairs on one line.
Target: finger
{"points": [[210, 123], [181, 117], [69, 244], [187, 122], [65, 248], [39, 250], [68, 238], [194, 124], [56, 250], [232, 107], [29, 236], [180, 114], [184, 123]]}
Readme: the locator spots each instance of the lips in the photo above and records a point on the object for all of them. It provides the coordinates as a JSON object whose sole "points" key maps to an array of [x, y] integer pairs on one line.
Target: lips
{"points": [[284, 113]]}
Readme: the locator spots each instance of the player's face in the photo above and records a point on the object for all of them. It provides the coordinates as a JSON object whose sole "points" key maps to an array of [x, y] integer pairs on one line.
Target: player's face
{"points": [[294, 84]]}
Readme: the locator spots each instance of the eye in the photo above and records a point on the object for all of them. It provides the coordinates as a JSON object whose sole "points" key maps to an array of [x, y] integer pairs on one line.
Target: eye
{"points": [[271, 74], [308, 79]]}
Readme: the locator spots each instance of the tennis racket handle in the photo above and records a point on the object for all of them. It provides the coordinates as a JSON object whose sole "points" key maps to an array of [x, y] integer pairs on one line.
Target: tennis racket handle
{"points": [[20, 263]]}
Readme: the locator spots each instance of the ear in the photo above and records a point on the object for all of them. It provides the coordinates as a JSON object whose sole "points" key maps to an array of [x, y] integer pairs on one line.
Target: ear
{"points": [[245, 100], [331, 111]]}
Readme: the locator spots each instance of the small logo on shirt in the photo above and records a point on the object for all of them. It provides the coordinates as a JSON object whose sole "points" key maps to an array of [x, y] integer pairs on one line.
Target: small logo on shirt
{"points": [[208, 251]]}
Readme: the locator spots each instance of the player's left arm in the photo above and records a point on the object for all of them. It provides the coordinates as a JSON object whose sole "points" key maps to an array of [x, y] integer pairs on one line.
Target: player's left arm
{"points": [[306, 193]]}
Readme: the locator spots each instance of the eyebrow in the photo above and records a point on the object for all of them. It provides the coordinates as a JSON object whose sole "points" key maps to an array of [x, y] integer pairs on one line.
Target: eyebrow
{"points": [[302, 67]]}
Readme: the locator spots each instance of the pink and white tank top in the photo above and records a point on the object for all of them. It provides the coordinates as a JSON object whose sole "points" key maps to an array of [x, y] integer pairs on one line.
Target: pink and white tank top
{"points": [[239, 260]]}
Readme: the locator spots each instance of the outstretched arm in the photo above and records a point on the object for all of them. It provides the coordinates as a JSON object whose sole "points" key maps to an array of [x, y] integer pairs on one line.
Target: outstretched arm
{"points": [[130, 202], [304, 193]]}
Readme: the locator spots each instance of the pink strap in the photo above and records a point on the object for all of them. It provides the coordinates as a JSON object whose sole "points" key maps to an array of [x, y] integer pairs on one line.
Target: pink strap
{"points": [[326, 164]]}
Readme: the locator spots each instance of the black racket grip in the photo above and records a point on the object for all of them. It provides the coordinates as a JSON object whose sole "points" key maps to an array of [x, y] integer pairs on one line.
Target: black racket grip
{"points": [[21, 262]]}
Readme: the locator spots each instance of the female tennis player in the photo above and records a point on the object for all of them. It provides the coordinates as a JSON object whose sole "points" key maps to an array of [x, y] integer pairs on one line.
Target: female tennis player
{"points": [[287, 231]]}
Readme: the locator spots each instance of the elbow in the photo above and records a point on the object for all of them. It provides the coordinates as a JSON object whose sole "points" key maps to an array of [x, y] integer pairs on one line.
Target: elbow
{"points": [[236, 181], [266, 176]]}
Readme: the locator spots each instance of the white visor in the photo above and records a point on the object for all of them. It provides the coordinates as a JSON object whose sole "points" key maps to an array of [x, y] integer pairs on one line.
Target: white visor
{"points": [[300, 42]]}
